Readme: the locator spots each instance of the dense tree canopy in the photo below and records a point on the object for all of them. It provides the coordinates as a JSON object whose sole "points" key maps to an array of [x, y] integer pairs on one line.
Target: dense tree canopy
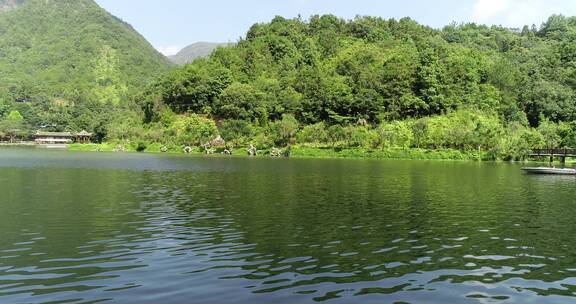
{"points": [[337, 71], [375, 83], [64, 64], [367, 82]]}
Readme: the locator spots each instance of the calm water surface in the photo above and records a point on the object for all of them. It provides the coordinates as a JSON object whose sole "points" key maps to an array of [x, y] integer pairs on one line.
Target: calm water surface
{"points": [[134, 228]]}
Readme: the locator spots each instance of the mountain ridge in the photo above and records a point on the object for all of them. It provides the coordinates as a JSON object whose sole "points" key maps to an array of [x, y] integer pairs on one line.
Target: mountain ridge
{"points": [[44, 48], [8, 5], [196, 50]]}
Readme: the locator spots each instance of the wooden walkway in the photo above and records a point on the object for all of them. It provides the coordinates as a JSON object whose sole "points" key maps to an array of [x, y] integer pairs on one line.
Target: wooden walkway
{"points": [[552, 153]]}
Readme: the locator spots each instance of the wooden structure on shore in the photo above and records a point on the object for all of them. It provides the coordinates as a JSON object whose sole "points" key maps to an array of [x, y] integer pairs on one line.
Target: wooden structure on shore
{"points": [[61, 138], [53, 138], [83, 137], [554, 153]]}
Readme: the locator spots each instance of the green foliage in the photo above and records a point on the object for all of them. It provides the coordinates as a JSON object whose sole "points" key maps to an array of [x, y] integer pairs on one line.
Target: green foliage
{"points": [[391, 88], [124, 128], [14, 115], [69, 65], [109, 85], [284, 131], [192, 130], [567, 133], [358, 136], [236, 131], [396, 134], [313, 134], [241, 101], [550, 134], [335, 71], [104, 147], [518, 143], [64, 48], [389, 153], [336, 135], [141, 146], [11, 127]]}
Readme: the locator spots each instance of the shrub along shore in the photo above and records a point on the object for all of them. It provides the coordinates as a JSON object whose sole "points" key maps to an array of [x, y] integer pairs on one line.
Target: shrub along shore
{"points": [[465, 134], [307, 152], [329, 87]]}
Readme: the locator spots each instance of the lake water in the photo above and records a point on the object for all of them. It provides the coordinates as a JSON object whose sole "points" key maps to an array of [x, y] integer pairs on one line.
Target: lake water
{"points": [[141, 228]]}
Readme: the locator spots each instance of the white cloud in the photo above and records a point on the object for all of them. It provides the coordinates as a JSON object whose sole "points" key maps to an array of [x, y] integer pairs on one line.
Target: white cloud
{"points": [[516, 13], [169, 50], [484, 10]]}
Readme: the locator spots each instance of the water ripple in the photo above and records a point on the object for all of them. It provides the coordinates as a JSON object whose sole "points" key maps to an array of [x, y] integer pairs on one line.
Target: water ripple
{"points": [[298, 231]]}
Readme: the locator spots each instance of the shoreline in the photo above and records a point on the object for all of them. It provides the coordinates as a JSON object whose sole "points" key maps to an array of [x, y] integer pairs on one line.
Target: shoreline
{"points": [[305, 152], [20, 144]]}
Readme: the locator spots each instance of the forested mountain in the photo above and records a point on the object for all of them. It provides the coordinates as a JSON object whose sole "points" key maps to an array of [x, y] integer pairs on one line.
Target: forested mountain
{"points": [[71, 47], [329, 69], [325, 82], [64, 63], [465, 87], [195, 51]]}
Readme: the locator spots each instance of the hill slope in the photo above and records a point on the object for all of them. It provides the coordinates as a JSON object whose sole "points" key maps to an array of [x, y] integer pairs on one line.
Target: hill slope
{"points": [[71, 49], [376, 83], [196, 50], [335, 70]]}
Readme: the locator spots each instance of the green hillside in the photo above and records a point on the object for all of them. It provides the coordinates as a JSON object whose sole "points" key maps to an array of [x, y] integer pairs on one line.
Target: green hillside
{"points": [[377, 83], [68, 48], [69, 65], [195, 51]]}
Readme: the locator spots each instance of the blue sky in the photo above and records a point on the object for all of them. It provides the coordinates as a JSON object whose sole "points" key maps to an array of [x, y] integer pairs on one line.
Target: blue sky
{"points": [[172, 24]]}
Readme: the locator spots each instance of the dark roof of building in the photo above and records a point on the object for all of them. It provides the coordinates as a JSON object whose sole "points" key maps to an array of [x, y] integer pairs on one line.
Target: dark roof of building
{"points": [[53, 134]]}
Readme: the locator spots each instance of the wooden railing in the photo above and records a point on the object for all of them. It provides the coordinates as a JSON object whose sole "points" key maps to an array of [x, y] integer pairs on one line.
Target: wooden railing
{"points": [[554, 152]]}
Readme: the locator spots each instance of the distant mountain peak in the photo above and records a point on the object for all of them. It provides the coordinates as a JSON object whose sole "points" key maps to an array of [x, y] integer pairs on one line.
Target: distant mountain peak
{"points": [[8, 5], [196, 50]]}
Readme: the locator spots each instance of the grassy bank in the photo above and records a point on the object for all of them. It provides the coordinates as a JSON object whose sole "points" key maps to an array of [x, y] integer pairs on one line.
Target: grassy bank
{"points": [[411, 153], [301, 152], [110, 147]]}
